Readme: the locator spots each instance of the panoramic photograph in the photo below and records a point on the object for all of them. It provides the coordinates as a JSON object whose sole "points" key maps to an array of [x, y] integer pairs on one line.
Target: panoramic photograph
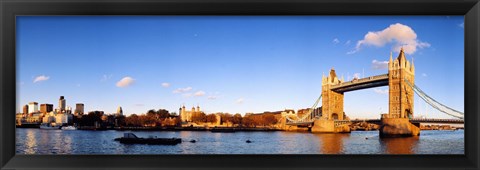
{"points": [[239, 85]]}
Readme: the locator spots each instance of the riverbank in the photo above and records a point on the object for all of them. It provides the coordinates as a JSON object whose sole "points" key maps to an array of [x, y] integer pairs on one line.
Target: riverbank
{"points": [[179, 128]]}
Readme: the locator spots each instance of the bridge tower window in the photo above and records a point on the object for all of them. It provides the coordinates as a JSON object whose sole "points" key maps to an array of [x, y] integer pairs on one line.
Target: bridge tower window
{"points": [[335, 116]]}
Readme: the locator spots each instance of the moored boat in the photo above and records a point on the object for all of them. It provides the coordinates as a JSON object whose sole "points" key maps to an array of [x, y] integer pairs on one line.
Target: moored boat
{"points": [[69, 128], [50, 126], [130, 138], [224, 130]]}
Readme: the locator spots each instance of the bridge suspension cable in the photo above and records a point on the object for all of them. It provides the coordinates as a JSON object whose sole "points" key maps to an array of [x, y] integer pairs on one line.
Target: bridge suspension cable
{"points": [[309, 115], [435, 104]]}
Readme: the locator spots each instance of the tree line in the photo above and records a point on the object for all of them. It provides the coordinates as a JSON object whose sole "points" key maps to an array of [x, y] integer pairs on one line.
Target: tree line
{"points": [[163, 118]]}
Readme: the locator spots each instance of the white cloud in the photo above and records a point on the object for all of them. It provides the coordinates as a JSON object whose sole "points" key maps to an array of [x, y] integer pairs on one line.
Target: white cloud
{"points": [[187, 95], [462, 25], [380, 91], [166, 85], [240, 101], [199, 93], [125, 82], [182, 90], [40, 78], [424, 74], [398, 34], [378, 65], [139, 105], [336, 41]]}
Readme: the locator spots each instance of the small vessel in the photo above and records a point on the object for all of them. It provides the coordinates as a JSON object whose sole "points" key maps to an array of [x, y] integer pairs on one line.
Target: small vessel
{"points": [[69, 128], [130, 138], [248, 141], [224, 130], [49, 126]]}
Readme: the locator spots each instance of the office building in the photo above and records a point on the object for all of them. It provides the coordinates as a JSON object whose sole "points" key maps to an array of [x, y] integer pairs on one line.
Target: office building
{"points": [[61, 104], [79, 109], [45, 108], [32, 107]]}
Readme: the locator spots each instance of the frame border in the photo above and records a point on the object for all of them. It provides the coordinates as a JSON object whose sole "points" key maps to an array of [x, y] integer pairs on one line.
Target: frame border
{"points": [[12, 8]]}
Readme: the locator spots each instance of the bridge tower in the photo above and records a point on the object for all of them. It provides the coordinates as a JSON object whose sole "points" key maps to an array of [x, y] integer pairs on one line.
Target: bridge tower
{"points": [[400, 94], [332, 107], [397, 121], [332, 102]]}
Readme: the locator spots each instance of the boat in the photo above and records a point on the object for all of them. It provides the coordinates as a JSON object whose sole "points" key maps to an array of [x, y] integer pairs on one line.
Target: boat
{"points": [[69, 128], [49, 126], [130, 138], [224, 130]]}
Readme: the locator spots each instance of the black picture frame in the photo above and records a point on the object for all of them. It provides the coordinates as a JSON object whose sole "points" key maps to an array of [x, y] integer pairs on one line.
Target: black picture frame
{"points": [[11, 8]]}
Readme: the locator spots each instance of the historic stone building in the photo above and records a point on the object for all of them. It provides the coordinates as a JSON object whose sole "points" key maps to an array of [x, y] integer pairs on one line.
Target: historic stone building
{"points": [[186, 115]]}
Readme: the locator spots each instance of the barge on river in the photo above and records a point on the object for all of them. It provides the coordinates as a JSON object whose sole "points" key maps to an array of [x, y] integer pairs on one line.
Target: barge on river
{"points": [[130, 138]]}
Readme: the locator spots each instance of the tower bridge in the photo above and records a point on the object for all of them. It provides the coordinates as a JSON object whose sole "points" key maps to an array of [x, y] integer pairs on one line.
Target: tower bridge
{"points": [[397, 122], [358, 84]]}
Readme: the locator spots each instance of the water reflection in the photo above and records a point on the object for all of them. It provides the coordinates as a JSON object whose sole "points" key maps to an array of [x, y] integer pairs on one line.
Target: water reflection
{"points": [[405, 145], [30, 142], [332, 143], [67, 144]]}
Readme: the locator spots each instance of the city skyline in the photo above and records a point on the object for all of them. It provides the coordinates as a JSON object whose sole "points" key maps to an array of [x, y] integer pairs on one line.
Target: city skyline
{"points": [[231, 64]]}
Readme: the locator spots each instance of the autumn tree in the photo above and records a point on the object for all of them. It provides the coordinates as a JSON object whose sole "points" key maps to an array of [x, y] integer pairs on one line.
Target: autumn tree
{"points": [[226, 117], [211, 118], [269, 119], [248, 121], [237, 119], [132, 120], [199, 117]]}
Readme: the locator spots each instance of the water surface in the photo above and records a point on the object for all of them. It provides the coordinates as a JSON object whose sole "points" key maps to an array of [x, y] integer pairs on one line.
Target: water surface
{"points": [[39, 141]]}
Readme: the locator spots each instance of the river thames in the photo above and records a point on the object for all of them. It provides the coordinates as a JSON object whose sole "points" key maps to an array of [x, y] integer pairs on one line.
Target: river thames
{"points": [[39, 141]]}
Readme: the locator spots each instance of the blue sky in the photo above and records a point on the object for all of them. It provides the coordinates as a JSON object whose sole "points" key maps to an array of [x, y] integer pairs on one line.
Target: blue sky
{"points": [[233, 64]]}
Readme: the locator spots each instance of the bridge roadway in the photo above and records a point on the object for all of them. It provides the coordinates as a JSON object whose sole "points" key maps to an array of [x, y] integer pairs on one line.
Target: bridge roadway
{"points": [[377, 121], [363, 83]]}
